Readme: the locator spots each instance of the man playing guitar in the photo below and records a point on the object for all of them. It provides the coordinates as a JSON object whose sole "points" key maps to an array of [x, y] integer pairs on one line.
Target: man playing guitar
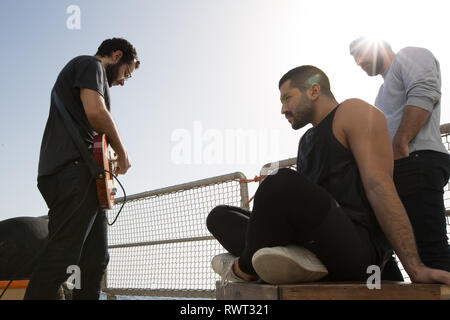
{"points": [[77, 224]]}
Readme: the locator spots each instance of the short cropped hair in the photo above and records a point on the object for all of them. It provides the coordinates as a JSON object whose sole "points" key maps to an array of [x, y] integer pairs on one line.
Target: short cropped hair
{"points": [[304, 77], [129, 52]]}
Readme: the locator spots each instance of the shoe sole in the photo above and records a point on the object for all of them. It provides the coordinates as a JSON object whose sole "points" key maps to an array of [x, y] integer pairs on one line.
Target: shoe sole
{"points": [[291, 264], [224, 269], [217, 263]]}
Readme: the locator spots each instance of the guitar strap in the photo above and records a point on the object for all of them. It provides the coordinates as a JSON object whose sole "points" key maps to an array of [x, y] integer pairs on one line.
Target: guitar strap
{"points": [[93, 166]]}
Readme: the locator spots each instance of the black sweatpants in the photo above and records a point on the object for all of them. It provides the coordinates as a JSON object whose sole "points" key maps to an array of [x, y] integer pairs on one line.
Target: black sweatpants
{"points": [[77, 235], [290, 209]]}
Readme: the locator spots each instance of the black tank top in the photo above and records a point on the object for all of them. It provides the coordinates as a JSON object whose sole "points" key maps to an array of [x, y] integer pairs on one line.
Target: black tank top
{"points": [[326, 162]]}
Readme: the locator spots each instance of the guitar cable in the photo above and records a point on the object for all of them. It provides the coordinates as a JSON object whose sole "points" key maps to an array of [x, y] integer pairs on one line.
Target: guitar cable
{"points": [[124, 198], [64, 223]]}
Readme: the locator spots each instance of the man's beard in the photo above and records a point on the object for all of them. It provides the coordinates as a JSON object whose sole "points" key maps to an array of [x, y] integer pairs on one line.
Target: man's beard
{"points": [[112, 73], [378, 67], [303, 113]]}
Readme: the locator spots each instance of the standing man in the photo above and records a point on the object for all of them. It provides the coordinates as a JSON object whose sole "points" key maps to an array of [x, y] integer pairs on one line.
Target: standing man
{"points": [[410, 98], [77, 226]]}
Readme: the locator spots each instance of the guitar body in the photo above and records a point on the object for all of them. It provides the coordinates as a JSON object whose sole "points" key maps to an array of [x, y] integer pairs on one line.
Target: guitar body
{"points": [[104, 155]]}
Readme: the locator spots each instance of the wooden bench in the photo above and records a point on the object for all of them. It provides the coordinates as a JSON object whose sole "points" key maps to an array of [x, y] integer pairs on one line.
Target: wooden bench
{"points": [[331, 291], [16, 289]]}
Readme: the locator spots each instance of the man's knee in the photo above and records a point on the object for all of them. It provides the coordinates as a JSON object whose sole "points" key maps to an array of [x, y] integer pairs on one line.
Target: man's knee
{"points": [[283, 175], [286, 178], [215, 218], [286, 186]]}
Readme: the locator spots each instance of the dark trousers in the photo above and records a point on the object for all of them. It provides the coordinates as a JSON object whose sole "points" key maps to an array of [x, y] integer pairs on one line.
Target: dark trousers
{"points": [[420, 180], [290, 209], [77, 235]]}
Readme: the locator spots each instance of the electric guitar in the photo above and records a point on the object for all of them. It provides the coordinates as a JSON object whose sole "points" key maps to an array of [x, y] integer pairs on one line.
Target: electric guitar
{"points": [[105, 156]]}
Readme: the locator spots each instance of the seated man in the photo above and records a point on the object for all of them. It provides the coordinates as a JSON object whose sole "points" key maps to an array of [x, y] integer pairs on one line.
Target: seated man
{"points": [[335, 216]]}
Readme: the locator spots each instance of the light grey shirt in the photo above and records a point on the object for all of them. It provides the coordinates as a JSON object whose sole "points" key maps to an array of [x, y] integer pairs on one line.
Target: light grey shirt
{"points": [[413, 79]]}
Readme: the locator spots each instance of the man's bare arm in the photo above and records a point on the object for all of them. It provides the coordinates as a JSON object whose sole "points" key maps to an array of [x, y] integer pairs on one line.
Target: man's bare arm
{"points": [[102, 122], [366, 133], [413, 120]]}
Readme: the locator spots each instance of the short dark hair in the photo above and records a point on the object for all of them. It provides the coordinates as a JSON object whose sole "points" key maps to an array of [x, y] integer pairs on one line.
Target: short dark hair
{"points": [[364, 44], [129, 52], [304, 77]]}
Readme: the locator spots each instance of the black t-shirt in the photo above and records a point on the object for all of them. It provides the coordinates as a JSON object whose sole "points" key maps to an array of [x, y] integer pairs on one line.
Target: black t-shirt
{"points": [[57, 148]]}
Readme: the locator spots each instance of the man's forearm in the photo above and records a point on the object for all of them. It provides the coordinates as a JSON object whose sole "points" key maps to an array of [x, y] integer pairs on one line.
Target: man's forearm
{"points": [[100, 118], [103, 122], [394, 222], [413, 120]]}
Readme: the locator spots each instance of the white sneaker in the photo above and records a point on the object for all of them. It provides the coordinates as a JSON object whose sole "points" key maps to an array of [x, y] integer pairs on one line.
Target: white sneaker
{"points": [[222, 264], [290, 264]]}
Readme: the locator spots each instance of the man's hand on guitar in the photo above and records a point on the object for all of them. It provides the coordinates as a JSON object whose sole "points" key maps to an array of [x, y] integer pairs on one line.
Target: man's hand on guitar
{"points": [[122, 163]]}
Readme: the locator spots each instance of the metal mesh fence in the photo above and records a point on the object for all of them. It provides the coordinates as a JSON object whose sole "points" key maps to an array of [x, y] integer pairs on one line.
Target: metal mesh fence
{"points": [[161, 246]]}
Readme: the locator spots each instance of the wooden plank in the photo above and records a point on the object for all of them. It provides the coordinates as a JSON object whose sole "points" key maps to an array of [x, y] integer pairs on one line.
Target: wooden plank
{"points": [[14, 294], [359, 291], [331, 291], [245, 291], [445, 292], [16, 289], [15, 284]]}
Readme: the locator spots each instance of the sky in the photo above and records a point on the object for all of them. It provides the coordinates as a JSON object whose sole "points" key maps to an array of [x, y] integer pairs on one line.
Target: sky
{"points": [[205, 101]]}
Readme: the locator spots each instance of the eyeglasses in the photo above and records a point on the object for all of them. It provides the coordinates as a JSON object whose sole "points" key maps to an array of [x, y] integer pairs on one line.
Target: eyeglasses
{"points": [[127, 75]]}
